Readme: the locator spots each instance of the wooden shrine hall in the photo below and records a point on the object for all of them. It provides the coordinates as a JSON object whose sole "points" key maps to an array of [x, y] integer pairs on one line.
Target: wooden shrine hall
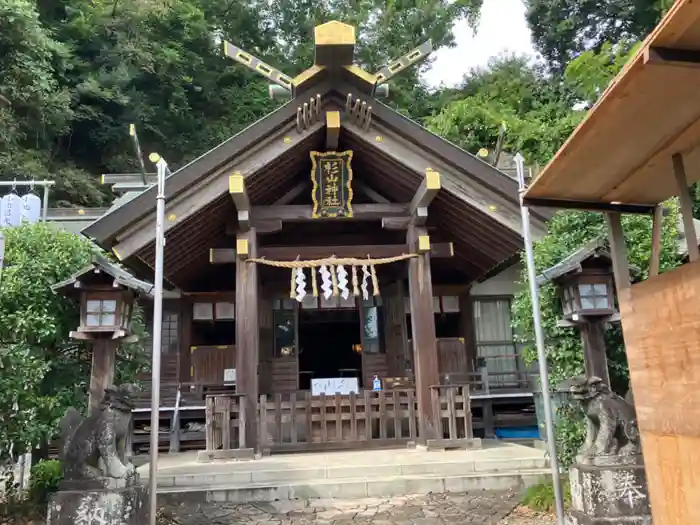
{"points": [[320, 263]]}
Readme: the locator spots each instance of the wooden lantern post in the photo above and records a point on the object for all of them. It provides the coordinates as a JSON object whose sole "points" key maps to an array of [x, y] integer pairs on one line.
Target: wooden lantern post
{"points": [[106, 294], [586, 288]]}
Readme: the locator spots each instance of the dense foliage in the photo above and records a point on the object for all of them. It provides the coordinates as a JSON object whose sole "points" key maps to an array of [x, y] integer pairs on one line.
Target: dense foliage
{"points": [[42, 372]]}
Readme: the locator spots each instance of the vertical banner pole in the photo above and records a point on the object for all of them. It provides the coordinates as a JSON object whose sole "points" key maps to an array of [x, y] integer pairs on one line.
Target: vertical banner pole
{"points": [[157, 334], [539, 339]]}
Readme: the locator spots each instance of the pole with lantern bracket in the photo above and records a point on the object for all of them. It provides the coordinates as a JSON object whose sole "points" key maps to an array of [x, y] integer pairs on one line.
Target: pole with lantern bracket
{"points": [[162, 169]]}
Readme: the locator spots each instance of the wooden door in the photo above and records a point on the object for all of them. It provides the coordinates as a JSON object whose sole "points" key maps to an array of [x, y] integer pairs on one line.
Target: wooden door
{"points": [[395, 332], [266, 342]]}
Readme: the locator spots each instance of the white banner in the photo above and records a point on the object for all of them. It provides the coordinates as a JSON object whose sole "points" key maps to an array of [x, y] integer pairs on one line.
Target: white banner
{"points": [[31, 208], [10, 210], [334, 385]]}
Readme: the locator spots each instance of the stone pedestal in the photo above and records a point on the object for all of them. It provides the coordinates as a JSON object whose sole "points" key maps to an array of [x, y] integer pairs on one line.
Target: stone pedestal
{"points": [[612, 494], [115, 506]]}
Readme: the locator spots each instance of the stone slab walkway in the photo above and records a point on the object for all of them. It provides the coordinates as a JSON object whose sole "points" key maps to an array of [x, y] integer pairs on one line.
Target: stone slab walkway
{"points": [[486, 508]]}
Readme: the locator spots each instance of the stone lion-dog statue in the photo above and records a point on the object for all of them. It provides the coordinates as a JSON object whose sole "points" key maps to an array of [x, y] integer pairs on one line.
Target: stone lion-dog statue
{"points": [[611, 428], [94, 448]]}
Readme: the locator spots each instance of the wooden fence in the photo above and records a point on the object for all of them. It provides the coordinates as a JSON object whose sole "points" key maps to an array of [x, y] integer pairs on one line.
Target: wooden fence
{"points": [[225, 428], [300, 421], [454, 423]]}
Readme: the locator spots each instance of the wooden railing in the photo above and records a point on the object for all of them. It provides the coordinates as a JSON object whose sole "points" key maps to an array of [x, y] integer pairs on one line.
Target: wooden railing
{"points": [[454, 422], [225, 428], [300, 421]]}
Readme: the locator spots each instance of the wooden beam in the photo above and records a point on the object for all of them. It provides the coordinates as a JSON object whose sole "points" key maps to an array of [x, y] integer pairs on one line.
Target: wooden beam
{"points": [[655, 259], [247, 333], [239, 195], [332, 129], [261, 226], [375, 196], [420, 288], [427, 190], [664, 56], [334, 44], [644, 209], [686, 207], [197, 195], [222, 255], [618, 251], [302, 212], [441, 250], [420, 218], [294, 193]]}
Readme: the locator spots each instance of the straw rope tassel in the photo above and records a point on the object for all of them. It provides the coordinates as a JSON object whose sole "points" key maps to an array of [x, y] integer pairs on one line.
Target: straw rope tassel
{"points": [[355, 283], [314, 286], [375, 281], [293, 285], [334, 280]]}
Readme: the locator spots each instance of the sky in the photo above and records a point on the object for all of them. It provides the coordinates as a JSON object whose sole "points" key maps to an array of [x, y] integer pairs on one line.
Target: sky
{"points": [[502, 29]]}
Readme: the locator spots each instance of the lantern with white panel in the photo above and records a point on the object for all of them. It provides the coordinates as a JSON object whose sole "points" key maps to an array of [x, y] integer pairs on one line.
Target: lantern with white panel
{"points": [[106, 295]]}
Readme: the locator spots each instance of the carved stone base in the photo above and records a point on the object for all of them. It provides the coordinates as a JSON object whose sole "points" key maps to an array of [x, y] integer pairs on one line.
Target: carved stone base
{"points": [[124, 506], [613, 494]]}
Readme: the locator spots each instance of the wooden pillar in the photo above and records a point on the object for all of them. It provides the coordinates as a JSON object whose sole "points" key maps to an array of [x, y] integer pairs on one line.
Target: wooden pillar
{"points": [[595, 359], [185, 340], [247, 330], [104, 354], [420, 288]]}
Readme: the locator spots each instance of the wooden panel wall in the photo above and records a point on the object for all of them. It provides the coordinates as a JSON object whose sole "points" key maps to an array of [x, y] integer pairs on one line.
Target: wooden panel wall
{"points": [[285, 374], [452, 356], [661, 323], [395, 332], [373, 365], [266, 342], [209, 362]]}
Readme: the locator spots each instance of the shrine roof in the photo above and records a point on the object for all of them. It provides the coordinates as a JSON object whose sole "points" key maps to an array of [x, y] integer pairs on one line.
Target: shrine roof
{"points": [[478, 204]]}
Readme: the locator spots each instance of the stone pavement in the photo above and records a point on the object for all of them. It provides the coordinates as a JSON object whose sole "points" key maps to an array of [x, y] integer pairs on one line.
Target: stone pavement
{"points": [[487, 508]]}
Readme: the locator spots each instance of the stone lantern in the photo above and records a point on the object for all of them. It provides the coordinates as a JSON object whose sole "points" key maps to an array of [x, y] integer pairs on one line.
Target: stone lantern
{"points": [[587, 292], [106, 295]]}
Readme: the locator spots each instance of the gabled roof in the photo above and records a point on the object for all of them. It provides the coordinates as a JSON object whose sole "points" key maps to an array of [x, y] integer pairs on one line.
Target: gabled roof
{"points": [[107, 227], [100, 265], [478, 204]]}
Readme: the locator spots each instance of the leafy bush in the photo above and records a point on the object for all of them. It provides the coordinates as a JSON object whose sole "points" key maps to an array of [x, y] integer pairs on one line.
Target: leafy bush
{"points": [[540, 497], [45, 478]]}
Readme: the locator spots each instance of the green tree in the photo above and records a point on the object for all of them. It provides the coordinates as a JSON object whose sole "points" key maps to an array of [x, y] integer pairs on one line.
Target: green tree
{"points": [[562, 29], [42, 371], [535, 107]]}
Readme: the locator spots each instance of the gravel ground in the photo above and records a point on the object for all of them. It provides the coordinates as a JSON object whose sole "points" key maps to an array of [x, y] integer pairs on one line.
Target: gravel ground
{"points": [[486, 508]]}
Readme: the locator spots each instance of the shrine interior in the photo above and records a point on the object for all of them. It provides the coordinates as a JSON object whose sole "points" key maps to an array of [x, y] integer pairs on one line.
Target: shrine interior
{"points": [[329, 345]]}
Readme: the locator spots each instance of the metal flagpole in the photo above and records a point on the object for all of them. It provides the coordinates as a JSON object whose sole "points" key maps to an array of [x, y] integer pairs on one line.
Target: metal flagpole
{"points": [[539, 339], [157, 332]]}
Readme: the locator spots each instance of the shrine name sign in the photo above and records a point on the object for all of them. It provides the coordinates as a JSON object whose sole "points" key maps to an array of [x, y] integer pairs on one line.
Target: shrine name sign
{"points": [[331, 175]]}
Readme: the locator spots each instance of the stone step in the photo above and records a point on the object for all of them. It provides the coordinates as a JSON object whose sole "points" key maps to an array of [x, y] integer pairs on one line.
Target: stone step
{"points": [[249, 472], [354, 488]]}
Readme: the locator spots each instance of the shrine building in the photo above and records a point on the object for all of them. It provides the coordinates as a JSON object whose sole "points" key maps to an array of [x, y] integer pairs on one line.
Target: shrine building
{"points": [[320, 263]]}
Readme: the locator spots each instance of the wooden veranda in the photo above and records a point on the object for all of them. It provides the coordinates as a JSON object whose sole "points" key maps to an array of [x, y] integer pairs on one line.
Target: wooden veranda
{"points": [[637, 148]]}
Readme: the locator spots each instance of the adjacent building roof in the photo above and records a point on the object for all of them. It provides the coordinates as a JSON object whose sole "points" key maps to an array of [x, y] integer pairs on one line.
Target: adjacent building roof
{"points": [[622, 151]]}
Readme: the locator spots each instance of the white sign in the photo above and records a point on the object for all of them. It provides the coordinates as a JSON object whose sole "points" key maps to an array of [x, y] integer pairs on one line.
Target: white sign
{"points": [[334, 385], [31, 208], [229, 375]]}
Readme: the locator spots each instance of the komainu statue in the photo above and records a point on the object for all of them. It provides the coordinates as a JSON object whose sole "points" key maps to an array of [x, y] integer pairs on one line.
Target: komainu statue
{"points": [[94, 448], [611, 421]]}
